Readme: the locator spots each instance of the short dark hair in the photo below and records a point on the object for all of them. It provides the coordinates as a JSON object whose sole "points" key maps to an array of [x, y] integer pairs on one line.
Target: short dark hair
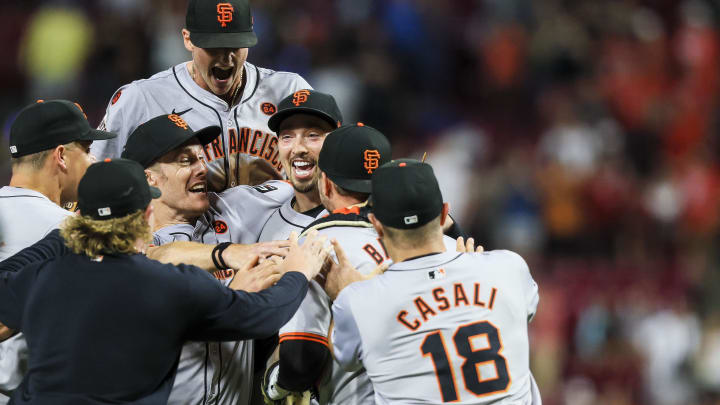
{"points": [[413, 237]]}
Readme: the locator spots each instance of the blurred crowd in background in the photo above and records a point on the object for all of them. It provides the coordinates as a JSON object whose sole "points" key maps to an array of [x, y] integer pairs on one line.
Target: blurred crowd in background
{"points": [[582, 134]]}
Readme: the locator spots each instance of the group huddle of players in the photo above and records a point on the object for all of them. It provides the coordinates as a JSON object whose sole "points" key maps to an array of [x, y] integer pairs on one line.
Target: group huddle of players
{"points": [[271, 156]]}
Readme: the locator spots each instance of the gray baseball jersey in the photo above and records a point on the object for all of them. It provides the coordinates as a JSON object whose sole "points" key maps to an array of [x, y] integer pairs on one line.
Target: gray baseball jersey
{"points": [[246, 135], [312, 320], [222, 372], [285, 219], [446, 327], [26, 216]]}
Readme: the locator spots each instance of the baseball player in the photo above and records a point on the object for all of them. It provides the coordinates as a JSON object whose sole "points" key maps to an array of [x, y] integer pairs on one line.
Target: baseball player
{"points": [[217, 87], [170, 152], [49, 146], [438, 325], [301, 128]]}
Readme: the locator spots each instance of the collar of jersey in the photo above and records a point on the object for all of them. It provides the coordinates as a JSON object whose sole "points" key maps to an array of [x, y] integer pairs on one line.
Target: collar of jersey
{"points": [[207, 96], [17, 191], [425, 262]]}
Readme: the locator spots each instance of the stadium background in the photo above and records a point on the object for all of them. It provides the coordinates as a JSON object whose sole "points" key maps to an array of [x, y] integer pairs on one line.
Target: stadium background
{"points": [[582, 134]]}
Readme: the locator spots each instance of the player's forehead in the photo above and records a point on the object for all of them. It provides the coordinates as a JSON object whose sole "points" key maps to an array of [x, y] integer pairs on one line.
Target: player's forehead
{"points": [[303, 121]]}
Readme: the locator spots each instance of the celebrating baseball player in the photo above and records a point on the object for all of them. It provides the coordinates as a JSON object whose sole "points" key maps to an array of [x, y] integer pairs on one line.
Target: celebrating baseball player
{"points": [[346, 161], [438, 325], [301, 126], [171, 153], [217, 87], [49, 146]]}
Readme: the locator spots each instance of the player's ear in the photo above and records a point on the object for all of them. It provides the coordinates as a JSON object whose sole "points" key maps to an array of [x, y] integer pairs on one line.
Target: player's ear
{"points": [[444, 214], [186, 40], [376, 224], [326, 184], [149, 213], [150, 176], [59, 156]]}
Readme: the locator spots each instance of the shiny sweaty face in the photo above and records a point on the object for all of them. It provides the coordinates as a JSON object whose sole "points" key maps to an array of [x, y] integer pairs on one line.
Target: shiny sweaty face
{"points": [[300, 139], [182, 181], [220, 68]]}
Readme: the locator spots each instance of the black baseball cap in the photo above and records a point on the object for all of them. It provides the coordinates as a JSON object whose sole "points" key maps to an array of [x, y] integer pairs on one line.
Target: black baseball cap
{"points": [[307, 102], [160, 135], [350, 155], [114, 189], [44, 125], [406, 194], [220, 24]]}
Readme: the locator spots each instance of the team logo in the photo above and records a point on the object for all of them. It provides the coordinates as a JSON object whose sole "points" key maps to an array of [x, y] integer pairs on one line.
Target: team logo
{"points": [[220, 226], [412, 219], [178, 121], [300, 97], [436, 274], [372, 161], [224, 11], [116, 97], [268, 108]]}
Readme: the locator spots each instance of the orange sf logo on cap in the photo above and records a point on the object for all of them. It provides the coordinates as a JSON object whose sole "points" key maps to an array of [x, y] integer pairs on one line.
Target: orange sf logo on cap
{"points": [[371, 160], [300, 97], [224, 11], [178, 121]]}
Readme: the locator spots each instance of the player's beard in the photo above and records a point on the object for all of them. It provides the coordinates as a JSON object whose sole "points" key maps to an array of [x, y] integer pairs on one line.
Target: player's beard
{"points": [[306, 187]]}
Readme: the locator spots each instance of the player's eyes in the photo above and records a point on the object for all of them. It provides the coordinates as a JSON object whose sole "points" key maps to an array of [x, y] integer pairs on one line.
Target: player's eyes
{"points": [[286, 137]]}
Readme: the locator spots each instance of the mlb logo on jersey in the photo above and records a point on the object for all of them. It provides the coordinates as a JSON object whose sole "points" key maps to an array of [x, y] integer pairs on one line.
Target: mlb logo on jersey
{"points": [[436, 274]]}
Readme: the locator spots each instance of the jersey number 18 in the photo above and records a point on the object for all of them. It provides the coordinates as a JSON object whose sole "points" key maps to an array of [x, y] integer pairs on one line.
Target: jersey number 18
{"points": [[434, 346]]}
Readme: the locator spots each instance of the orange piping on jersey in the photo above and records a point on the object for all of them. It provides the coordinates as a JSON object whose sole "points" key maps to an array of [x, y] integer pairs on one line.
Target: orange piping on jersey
{"points": [[492, 298], [419, 302], [401, 318], [460, 294], [476, 299], [304, 336], [439, 298], [347, 210]]}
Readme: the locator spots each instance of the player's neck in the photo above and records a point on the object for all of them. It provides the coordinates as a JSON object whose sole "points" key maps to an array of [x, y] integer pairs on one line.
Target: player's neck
{"points": [[306, 201], [338, 202], [232, 97], [401, 253], [49, 186], [166, 216]]}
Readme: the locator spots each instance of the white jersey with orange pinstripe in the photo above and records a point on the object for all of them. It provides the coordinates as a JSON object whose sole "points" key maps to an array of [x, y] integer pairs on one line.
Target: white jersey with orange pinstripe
{"points": [[444, 327], [245, 134]]}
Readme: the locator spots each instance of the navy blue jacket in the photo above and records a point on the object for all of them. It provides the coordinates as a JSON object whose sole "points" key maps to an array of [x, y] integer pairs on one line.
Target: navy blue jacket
{"points": [[111, 331]]}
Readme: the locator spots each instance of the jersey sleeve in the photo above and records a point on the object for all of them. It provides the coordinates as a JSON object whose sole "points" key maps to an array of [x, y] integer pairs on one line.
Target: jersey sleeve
{"points": [[224, 314], [126, 110], [14, 287], [52, 245], [250, 207], [312, 320], [346, 340], [528, 284]]}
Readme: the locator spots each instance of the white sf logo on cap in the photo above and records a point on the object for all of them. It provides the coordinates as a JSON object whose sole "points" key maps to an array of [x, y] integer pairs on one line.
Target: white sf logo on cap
{"points": [[413, 219], [103, 212]]}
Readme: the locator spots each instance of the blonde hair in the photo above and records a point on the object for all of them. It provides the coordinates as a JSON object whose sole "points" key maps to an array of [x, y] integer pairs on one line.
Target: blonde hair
{"points": [[92, 237]]}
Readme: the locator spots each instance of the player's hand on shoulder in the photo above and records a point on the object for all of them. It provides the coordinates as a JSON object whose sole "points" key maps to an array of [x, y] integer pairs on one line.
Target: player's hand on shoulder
{"points": [[468, 245], [341, 274], [255, 276], [307, 258]]}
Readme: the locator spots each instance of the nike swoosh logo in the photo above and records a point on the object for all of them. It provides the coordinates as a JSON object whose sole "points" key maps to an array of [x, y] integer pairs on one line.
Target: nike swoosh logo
{"points": [[181, 112]]}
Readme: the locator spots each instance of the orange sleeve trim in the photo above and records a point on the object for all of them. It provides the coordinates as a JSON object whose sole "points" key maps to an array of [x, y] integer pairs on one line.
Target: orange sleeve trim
{"points": [[304, 336]]}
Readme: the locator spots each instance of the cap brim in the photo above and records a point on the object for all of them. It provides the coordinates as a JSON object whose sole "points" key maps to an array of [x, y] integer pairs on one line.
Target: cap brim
{"points": [[97, 135], [357, 185], [277, 118], [207, 134], [223, 40], [155, 192]]}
